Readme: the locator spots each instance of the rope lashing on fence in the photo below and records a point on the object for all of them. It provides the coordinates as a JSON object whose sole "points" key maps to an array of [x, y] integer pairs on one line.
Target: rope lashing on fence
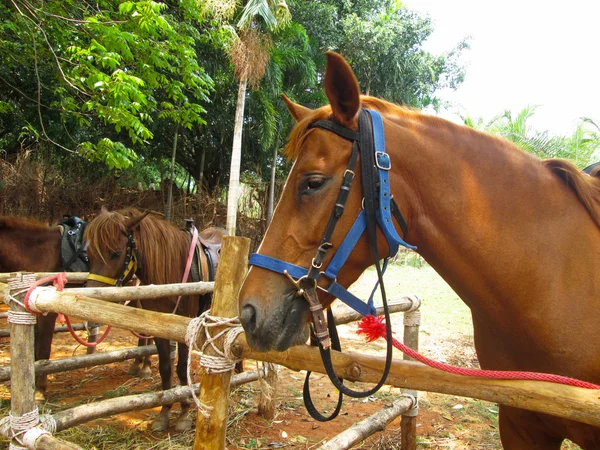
{"points": [[225, 361], [20, 317], [26, 429], [374, 327]]}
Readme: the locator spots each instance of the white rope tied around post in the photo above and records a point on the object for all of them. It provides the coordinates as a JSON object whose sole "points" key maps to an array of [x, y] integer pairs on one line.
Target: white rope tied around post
{"points": [[224, 362], [14, 427], [48, 423], [23, 283]]}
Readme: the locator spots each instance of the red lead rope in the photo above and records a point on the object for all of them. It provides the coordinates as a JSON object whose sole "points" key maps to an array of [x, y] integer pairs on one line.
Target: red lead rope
{"points": [[374, 327]]}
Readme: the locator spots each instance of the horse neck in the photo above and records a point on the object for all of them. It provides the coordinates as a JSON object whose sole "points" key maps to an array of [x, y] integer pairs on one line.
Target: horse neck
{"points": [[162, 252], [475, 205], [34, 250]]}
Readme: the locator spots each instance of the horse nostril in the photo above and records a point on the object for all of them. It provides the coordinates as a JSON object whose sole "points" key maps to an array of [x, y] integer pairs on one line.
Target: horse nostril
{"points": [[248, 318]]}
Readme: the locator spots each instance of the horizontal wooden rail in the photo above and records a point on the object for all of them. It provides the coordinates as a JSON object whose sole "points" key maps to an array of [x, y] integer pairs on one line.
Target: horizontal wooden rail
{"points": [[72, 277], [570, 402], [119, 294], [57, 329], [45, 366]]}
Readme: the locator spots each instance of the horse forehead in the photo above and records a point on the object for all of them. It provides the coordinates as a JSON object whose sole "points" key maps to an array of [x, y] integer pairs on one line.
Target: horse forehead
{"points": [[322, 150]]}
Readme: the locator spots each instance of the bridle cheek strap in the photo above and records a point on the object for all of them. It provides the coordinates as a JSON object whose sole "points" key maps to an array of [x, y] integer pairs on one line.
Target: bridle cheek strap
{"points": [[130, 265]]}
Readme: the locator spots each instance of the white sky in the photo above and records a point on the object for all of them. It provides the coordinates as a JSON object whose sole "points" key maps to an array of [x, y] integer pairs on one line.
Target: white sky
{"points": [[523, 52]]}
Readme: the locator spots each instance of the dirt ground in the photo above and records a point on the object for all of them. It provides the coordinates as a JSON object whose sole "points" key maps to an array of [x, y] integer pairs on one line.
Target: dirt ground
{"points": [[444, 422]]}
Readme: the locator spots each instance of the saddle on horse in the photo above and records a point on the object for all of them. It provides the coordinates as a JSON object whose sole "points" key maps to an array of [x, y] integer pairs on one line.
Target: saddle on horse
{"points": [[72, 246], [207, 254]]}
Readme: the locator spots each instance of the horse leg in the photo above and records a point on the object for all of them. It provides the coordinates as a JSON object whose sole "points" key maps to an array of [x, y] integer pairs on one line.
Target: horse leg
{"points": [[161, 422], [140, 366], [146, 370], [524, 430], [185, 421], [42, 348]]}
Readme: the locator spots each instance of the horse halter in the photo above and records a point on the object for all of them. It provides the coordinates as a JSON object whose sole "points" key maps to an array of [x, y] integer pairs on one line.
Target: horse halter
{"points": [[130, 265], [378, 209]]}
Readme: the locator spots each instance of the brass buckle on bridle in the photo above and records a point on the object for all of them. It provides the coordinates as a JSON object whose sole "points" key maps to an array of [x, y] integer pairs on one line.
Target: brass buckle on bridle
{"points": [[318, 324]]}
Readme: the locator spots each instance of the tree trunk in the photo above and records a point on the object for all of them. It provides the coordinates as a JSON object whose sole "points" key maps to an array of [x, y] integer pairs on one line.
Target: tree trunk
{"points": [[236, 157], [169, 206], [201, 171], [271, 201]]}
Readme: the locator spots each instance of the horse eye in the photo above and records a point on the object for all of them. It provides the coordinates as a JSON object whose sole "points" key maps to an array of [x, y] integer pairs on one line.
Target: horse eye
{"points": [[311, 184], [115, 255]]}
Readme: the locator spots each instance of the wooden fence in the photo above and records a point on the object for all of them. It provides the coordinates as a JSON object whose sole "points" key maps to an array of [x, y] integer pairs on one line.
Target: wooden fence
{"points": [[564, 401]]}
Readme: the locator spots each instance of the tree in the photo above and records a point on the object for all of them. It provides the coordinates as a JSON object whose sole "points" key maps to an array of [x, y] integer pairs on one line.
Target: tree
{"points": [[250, 57], [91, 79], [580, 147], [382, 40]]}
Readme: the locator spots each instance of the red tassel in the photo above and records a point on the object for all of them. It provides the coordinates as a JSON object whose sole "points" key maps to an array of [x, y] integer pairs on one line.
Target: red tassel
{"points": [[373, 327]]}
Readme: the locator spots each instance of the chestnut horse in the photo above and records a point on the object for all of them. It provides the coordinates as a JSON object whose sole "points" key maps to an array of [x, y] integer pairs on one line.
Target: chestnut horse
{"points": [[517, 238], [125, 242], [29, 245]]}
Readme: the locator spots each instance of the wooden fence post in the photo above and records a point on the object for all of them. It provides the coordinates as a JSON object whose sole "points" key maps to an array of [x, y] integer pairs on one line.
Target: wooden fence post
{"points": [[214, 388], [24, 413], [408, 424], [22, 386]]}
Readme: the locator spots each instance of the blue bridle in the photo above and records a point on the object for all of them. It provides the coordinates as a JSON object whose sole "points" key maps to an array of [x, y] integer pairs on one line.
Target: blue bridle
{"points": [[383, 216]]}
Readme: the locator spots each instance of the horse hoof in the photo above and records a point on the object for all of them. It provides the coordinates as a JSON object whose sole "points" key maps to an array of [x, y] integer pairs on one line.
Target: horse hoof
{"points": [[134, 370], [160, 424], [145, 373], [184, 423]]}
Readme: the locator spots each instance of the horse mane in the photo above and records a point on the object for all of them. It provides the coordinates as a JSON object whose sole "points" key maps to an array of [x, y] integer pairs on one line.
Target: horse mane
{"points": [[585, 187], [160, 244], [21, 223]]}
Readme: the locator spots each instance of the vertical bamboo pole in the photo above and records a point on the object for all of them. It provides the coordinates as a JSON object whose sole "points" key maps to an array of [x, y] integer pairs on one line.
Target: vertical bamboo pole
{"points": [[214, 389], [22, 386], [268, 393], [408, 424], [92, 336]]}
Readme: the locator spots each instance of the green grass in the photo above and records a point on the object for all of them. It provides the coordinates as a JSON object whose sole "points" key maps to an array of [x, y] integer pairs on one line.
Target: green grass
{"points": [[441, 309]]}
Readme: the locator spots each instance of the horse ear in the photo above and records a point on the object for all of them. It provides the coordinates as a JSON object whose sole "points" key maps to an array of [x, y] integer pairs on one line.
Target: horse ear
{"points": [[131, 223], [297, 111], [341, 88]]}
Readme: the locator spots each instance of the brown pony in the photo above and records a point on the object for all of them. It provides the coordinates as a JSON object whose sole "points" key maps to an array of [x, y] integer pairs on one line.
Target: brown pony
{"points": [[517, 238], [162, 250], [28, 245]]}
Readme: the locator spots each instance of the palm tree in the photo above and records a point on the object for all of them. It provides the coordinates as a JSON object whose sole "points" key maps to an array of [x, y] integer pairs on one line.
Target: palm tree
{"points": [[582, 147], [250, 56]]}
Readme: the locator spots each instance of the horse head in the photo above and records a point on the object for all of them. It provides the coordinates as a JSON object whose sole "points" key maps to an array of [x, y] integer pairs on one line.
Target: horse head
{"points": [[112, 249], [272, 310]]}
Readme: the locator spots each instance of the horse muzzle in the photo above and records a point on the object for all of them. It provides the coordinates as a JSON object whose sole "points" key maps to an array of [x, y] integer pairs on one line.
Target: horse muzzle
{"points": [[276, 328]]}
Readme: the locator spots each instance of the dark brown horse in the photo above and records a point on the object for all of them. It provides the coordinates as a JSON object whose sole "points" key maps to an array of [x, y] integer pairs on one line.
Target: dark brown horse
{"points": [[29, 245], [158, 256], [517, 238]]}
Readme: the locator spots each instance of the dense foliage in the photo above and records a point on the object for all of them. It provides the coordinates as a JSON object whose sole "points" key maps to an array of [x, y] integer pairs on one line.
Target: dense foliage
{"points": [[113, 81]]}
